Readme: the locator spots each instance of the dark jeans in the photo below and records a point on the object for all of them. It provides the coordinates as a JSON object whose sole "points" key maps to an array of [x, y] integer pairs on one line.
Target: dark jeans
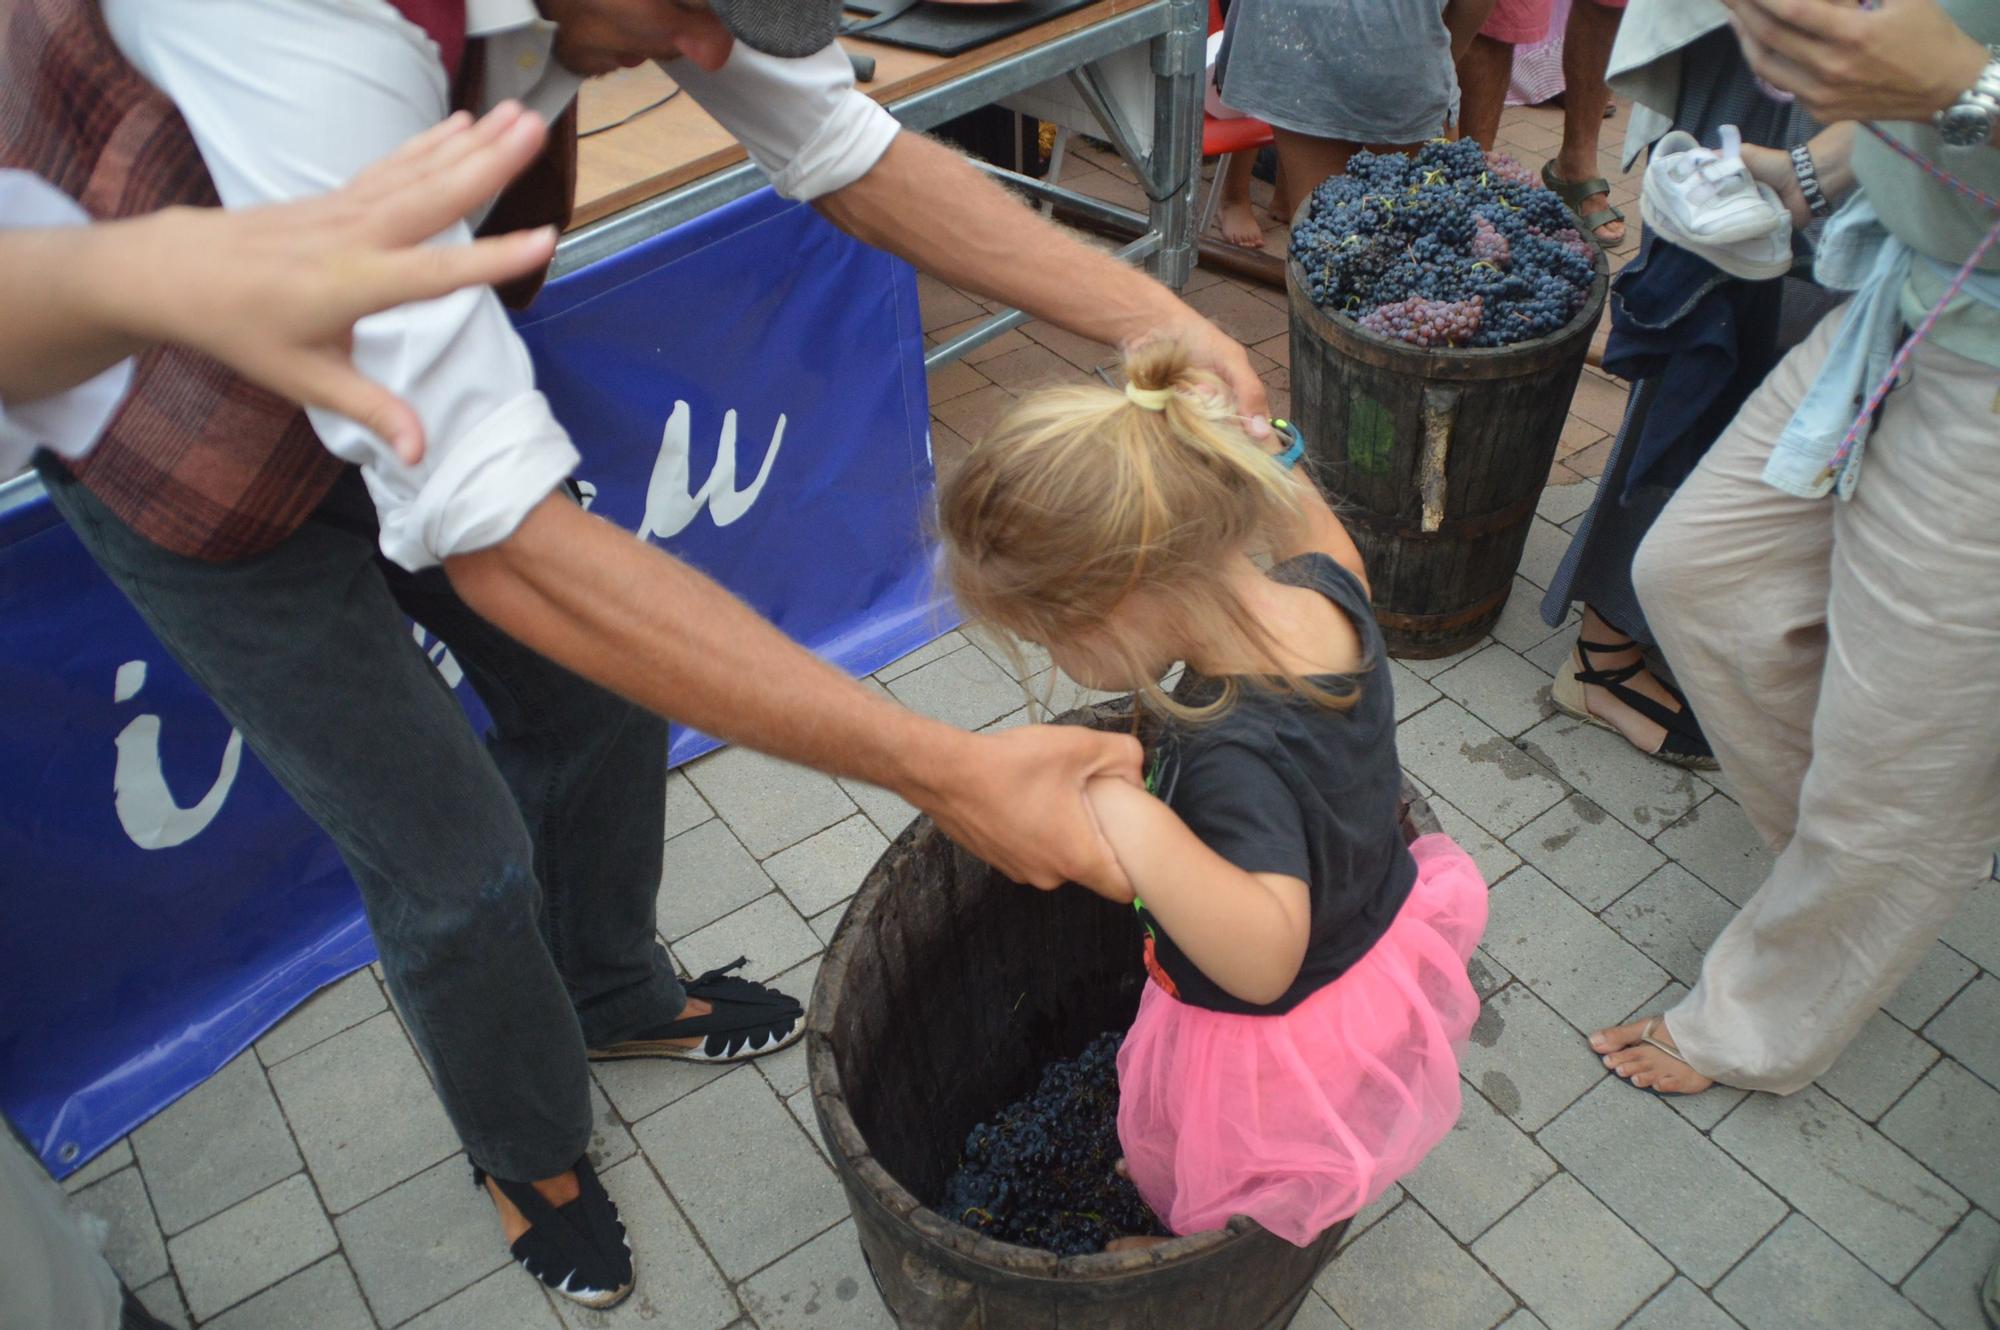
{"points": [[511, 884]]}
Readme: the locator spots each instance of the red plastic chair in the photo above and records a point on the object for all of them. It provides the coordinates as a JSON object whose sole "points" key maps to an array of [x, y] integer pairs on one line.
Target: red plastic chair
{"points": [[1224, 138]]}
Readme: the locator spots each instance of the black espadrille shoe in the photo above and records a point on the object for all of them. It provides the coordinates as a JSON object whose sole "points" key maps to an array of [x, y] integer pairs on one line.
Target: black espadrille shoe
{"points": [[578, 1249], [748, 1021]]}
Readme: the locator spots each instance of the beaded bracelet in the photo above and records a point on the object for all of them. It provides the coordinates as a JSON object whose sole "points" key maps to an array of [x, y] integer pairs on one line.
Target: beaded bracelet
{"points": [[1808, 174]]}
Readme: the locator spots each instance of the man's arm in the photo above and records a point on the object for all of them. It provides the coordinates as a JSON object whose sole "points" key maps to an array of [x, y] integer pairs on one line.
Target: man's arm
{"points": [[924, 202], [1901, 60], [610, 607]]}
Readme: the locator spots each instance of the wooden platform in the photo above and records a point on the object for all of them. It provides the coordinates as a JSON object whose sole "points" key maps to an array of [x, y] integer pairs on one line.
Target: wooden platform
{"points": [[679, 142]]}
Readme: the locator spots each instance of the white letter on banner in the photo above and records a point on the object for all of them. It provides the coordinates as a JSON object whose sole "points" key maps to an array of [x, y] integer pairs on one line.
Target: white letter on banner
{"points": [[671, 505], [146, 807]]}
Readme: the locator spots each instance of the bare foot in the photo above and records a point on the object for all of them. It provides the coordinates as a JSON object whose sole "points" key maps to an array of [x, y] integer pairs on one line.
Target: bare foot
{"points": [[1238, 224], [1612, 234], [1654, 1065], [557, 1191], [1134, 1243]]}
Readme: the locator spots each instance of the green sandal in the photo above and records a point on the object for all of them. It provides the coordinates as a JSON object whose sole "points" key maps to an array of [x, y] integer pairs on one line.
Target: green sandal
{"points": [[1574, 192]]}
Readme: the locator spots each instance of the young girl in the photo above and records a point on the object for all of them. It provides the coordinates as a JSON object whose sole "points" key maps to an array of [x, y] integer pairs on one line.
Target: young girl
{"points": [[1294, 1052]]}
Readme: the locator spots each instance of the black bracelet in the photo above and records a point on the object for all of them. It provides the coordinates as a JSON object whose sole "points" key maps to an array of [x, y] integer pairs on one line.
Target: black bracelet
{"points": [[1808, 174]]}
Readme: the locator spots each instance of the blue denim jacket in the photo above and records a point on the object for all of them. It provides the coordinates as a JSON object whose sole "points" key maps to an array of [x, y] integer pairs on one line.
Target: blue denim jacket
{"points": [[1856, 254]]}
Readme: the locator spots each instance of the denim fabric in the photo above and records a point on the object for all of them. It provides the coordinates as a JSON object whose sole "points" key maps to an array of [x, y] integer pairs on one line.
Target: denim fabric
{"points": [[510, 884]]}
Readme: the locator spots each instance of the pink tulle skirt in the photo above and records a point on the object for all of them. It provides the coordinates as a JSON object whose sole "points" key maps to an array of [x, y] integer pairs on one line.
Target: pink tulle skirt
{"points": [[1300, 1120]]}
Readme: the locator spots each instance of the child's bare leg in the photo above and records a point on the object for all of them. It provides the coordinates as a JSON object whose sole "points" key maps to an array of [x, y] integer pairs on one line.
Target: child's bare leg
{"points": [[1233, 216]]}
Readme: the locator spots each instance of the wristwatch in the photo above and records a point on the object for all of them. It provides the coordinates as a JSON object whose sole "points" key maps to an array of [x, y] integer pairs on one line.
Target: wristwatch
{"points": [[1969, 121]]}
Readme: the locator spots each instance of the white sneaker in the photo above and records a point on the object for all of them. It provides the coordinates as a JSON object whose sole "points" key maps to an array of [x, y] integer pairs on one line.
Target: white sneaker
{"points": [[1708, 202]]}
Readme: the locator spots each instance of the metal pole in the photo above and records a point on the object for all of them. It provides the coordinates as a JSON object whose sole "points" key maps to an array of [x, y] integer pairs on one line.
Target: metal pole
{"points": [[1178, 67]]}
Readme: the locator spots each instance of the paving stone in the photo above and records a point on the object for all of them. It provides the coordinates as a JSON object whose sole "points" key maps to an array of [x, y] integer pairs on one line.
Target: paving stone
{"points": [[1413, 692], [1878, 1068], [640, 1087], [1484, 1167], [338, 1006], [1717, 844], [678, 1285], [1560, 503], [1585, 851], [507, 1299], [750, 1182], [824, 1285], [1682, 1306], [1500, 688], [1687, 1198], [1315, 1314], [889, 812], [363, 1112], [936, 649], [1571, 1259], [1493, 859], [219, 1143], [1488, 975], [1530, 1062], [1476, 769], [132, 1241], [251, 1246], [1019, 660], [1372, 1214], [1968, 1029], [1673, 917], [1543, 553], [686, 809], [801, 1108], [1571, 960], [767, 931], [1947, 1284], [418, 1243], [965, 689], [1937, 980], [116, 1156], [1974, 932], [707, 874], [1950, 1120], [825, 923], [163, 1299], [1551, 655], [1055, 693], [1012, 720], [825, 869], [768, 803], [1523, 1319], [1800, 1279], [1868, 1195], [610, 1143], [322, 1296], [1405, 1272], [1643, 794], [1426, 669], [786, 1069]]}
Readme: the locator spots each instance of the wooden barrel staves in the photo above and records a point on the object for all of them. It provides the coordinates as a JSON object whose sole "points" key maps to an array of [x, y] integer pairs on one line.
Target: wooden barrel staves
{"points": [[944, 991], [1436, 458]]}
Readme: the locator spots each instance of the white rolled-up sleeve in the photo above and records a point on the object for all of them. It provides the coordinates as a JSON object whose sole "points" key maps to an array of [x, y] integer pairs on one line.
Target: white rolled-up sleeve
{"points": [[802, 121], [289, 99], [68, 423]]}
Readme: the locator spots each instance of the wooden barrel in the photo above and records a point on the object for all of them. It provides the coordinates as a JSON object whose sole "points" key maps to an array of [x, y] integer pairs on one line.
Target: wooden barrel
{"points": [[1436, 458], [944, 991]]}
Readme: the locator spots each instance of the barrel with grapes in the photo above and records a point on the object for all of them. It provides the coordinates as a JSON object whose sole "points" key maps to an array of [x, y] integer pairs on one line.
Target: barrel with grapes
{"points": [[944, 990], [1442, 307]]}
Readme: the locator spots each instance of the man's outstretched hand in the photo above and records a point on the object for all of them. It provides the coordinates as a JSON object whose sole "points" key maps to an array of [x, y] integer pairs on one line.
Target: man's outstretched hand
{"points": [[1016, 799]]}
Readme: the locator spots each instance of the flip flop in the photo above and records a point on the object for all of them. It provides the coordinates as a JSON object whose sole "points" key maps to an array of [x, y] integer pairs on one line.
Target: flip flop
{"points": [[1665, 1046], [1574, 192]]}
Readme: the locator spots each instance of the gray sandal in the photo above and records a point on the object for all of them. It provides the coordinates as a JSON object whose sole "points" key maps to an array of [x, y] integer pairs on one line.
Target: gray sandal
{"points": [[1574, 192]]}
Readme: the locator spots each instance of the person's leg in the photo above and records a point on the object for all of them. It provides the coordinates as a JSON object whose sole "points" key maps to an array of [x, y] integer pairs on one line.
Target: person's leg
{"points": [[308, 655], [1463, 20], [1733, 578], [1899, 812], [1233, 217], [1305, 161], [1483, 74], [56, 1277], [1587, 42]]}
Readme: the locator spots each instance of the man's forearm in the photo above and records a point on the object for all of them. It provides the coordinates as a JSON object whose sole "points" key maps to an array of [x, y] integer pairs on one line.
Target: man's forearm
{"points": [[617, 611], [924, 202]]}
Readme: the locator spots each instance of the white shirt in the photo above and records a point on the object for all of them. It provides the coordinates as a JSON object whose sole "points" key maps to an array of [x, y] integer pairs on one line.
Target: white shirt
{"points": [[288, 98], [69, 422]]}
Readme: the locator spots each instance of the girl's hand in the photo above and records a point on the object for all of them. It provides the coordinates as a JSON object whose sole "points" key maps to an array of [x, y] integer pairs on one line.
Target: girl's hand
{"points": [[1773, 167], [1903, 60]]}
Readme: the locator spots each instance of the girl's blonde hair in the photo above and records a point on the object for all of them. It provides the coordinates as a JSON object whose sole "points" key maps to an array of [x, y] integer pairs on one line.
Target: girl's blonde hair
{"points": [[1080, 496]]}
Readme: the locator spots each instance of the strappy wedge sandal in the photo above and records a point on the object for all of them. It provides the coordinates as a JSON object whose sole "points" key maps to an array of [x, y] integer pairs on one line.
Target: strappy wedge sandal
{"points": [[749, 1020], [1574, 192], [579, 1249], [1684, 745]]}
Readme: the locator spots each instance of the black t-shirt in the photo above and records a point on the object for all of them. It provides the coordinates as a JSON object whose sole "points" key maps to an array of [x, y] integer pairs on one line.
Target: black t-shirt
{"points": [[1279, 784]]}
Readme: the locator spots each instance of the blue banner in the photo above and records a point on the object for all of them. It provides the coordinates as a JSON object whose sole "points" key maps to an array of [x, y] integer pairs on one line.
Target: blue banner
{"points": [[747, 391]]}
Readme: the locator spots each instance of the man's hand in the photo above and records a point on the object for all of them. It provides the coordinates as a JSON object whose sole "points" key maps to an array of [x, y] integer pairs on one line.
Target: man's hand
{"points": [[274, 292], [1017, 801], [1905, 60], [1215, 351]]}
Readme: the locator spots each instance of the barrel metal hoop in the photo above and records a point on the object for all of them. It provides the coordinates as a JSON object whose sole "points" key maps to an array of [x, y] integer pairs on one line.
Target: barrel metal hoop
{"points": [[1423, 623]]}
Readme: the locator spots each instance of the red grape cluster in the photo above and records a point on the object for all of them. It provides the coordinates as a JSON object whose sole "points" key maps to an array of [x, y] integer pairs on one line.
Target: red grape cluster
{"points": [[1422, 322], [1488, 244], [1504, 166]]}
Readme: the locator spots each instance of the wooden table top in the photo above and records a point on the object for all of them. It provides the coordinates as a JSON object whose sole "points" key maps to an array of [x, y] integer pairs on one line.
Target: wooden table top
{"points": [[679, 142]]}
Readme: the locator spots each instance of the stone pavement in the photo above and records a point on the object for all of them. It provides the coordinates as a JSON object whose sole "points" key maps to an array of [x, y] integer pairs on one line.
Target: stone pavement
{"points": [[314, 1184]]}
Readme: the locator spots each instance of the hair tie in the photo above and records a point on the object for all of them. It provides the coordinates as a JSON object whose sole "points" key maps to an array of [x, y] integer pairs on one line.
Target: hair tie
{"points": [[1148, 399]]}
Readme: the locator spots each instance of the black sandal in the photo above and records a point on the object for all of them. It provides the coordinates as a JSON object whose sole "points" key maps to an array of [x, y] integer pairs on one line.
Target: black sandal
{"points": [[579, 1249], [1684, 745], [749, 1020]]}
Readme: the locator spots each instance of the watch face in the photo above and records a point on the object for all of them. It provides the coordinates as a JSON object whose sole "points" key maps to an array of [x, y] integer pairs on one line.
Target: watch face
{"points": [[1965, 125]]}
